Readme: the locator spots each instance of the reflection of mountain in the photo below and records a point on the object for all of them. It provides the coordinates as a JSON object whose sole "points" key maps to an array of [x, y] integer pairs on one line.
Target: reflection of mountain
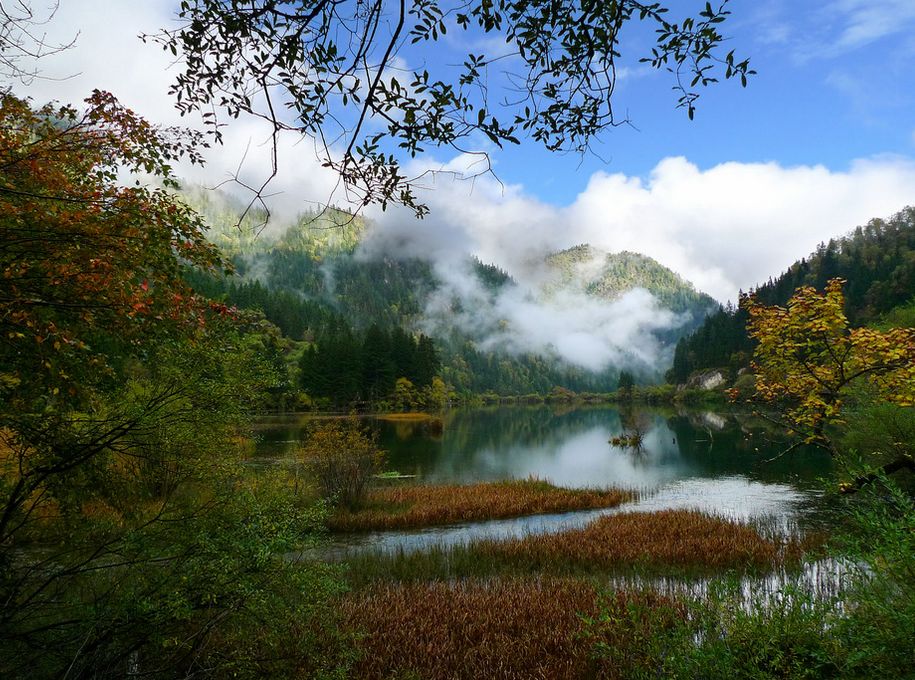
{"points": [[572, 448]]}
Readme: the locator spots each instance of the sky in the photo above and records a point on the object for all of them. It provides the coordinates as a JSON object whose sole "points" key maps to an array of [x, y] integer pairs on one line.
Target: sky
{"points": [[822, 140]]}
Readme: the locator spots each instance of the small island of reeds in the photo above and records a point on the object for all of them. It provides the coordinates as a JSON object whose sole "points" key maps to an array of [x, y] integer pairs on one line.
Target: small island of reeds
{"points": [[416, 506]]}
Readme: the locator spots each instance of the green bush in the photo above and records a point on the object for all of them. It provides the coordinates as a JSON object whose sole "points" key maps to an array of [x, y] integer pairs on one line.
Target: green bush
{"points": [[878, 631], [783, 635], [343, 456]]}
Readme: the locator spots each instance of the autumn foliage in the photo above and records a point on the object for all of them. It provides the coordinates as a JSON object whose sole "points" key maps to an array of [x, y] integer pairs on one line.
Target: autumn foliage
{"points": [[808, 358], [89, 268], [124, 530]]}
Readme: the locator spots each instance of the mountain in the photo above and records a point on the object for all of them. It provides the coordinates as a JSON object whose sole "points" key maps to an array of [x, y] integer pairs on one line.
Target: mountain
{"points": [[608, 276], [877, 261], [315, 279]]}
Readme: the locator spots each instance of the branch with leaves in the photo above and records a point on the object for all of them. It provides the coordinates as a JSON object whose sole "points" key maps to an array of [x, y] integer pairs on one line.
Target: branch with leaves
{"points": [[808, 362], [338, 68]]}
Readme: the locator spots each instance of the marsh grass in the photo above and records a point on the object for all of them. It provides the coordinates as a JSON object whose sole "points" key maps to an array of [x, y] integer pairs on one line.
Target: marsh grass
{"points": [[671, 543], [412, 507], [500, 629], [410, 416]]}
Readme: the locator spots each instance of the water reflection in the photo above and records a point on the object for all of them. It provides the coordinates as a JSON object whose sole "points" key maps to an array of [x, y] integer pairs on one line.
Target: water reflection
{"points": [[702, 460], [571, 447]]}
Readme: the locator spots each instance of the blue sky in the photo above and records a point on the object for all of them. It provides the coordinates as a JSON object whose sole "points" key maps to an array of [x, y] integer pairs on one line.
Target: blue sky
{"points": [[822, 140], [835, 83]]}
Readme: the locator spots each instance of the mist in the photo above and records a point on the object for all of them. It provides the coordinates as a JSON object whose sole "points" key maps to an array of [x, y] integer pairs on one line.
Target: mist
{"points": [[530, 314]]}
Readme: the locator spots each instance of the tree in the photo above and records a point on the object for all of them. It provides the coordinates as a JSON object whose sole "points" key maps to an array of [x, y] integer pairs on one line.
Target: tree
{"points": [[810, 364], [344, 456], [626, 384], [22, 38], [131, 542], [334, 66]]}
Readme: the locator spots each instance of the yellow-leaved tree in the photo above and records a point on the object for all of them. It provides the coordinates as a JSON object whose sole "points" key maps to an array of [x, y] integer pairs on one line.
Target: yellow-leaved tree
{"points": [[809, 364]]}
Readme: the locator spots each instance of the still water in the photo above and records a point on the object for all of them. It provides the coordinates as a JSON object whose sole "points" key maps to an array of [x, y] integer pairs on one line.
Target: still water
{"points": [[725, 464]]}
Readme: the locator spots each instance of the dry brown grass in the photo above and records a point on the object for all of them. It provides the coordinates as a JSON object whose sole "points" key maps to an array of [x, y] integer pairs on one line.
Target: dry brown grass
{"points": [[409, 507], [674, 542], [501, 629], [681, 539], [412, 416]]}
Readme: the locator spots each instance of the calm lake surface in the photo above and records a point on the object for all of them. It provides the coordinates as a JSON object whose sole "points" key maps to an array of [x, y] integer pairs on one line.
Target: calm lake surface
{"points": [[720, 463]]}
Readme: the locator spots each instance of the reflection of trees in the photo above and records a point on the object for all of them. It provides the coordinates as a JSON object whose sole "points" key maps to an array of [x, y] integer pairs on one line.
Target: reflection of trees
{"points": [[501, 428], [476, 440], [740, 447], [635, 421]]}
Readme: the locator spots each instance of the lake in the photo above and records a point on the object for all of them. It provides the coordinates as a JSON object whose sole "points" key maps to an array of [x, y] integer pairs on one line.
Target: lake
{"points": [[723, 463]]}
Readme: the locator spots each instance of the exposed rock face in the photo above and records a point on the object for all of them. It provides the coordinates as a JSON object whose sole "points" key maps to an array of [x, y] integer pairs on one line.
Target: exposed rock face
{"points": [[707, 380]]}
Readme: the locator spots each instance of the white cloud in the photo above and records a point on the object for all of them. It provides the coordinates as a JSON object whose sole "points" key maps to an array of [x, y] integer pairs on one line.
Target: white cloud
{"points": [[866, 21], [725, 228], [109, 55]]}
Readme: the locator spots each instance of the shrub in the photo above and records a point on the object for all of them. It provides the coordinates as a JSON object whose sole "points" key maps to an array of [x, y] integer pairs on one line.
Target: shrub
{"points": [[878, 631], [343, 455]]}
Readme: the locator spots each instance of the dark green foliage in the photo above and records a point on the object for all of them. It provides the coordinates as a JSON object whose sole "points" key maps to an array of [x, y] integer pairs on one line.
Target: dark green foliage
{"points": [[877, 261], [720, 342], [312, 281], [344, 367], [297, 317], [470, 370], [879, 632], [492, 277], [557, 89], [782, 635]]}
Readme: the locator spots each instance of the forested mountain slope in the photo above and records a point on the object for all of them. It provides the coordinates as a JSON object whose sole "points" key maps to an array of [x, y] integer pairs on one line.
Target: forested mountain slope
{"points": [[609, 275], [877, 261], [317, 285]]}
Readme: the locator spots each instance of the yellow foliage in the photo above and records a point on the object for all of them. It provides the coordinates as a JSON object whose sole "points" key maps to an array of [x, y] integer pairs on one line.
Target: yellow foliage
{"points": [[808, 357]]}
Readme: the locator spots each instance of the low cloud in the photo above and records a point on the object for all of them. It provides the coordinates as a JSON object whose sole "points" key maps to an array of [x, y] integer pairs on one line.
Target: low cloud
{"points": [[521, 318], [724, 228]]}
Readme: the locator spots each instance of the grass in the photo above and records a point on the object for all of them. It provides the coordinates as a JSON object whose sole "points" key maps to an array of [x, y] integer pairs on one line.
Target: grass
{"points": [[500, 629], [413, 416], [412, 507], [672, 542]]}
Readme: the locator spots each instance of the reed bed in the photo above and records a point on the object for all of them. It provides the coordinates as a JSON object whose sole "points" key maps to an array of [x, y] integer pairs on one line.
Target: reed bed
{"points": [[413, 507], [669, 538], [410, 416], [500, 629], [671, 542]]}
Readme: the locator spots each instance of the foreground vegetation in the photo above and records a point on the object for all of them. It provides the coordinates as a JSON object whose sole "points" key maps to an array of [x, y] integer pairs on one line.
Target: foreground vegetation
{"points": [[530, 622]]}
